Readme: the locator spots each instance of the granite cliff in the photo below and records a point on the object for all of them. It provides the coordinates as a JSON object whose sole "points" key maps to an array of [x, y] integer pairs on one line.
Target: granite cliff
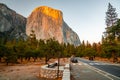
{"points": [[12, 24], [48, 23]]}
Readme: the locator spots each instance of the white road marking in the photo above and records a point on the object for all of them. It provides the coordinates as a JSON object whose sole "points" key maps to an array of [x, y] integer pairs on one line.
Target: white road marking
{"points": [[91, 63], [103, 72], [106, 74], [97, 64]]}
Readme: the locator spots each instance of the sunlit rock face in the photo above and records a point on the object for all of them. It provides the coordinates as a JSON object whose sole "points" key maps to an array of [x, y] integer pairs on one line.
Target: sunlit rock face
{"points": [[48, 23], [12, 24]]}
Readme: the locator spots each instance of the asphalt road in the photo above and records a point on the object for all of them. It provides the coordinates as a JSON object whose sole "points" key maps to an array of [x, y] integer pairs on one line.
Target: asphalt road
{"points": [[79, 71], [109, 69]]}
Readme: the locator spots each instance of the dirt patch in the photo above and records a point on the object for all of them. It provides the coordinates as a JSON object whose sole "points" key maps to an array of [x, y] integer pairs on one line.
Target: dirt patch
{"points": [[24, 72], [29, 71]]}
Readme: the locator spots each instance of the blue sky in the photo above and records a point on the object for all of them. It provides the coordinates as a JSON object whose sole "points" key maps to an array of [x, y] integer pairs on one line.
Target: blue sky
{"points": [[85, 17]]}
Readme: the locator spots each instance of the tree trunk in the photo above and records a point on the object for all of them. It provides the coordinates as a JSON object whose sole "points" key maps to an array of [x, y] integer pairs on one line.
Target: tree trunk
{"points": [[45, 59], [21, 59], [7, 63], [0, 59]]}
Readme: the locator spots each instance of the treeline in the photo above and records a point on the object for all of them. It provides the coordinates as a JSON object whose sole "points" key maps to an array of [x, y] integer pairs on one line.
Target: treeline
{"points": [[101, 50], [13, 50]]}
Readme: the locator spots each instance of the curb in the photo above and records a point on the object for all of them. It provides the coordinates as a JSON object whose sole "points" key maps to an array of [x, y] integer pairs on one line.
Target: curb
{"points": [[66, 72]]}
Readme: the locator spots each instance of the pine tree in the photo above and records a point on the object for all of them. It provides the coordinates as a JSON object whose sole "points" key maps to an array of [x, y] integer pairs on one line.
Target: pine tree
{"points": [[111, 16], [111, 21], [112, 32]]}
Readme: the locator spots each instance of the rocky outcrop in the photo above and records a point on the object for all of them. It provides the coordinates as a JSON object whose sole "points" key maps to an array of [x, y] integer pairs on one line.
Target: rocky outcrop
{"points": [[12, 25], [48, 23]]}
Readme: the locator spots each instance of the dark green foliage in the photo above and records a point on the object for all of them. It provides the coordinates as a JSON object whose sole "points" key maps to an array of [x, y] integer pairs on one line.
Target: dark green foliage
{"points": [[90, 52], [111, 21], [111, 50], [20, 49], [111, 39], [2, 51], [115, 30], [10, 55], [31, 48], [87, 50], [52, 49], [14, 50]]}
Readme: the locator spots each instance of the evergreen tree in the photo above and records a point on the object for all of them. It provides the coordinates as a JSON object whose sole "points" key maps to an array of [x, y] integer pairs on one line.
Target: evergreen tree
{"points": [[2, 51], [111, 21], [20, 48], [111, 16], [116, 30], [10, 55], [111, 37]]}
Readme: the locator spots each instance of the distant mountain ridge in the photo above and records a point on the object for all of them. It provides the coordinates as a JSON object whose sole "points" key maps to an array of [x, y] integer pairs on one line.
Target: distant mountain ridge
{"points": [[48, 23], [12, 24]]}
